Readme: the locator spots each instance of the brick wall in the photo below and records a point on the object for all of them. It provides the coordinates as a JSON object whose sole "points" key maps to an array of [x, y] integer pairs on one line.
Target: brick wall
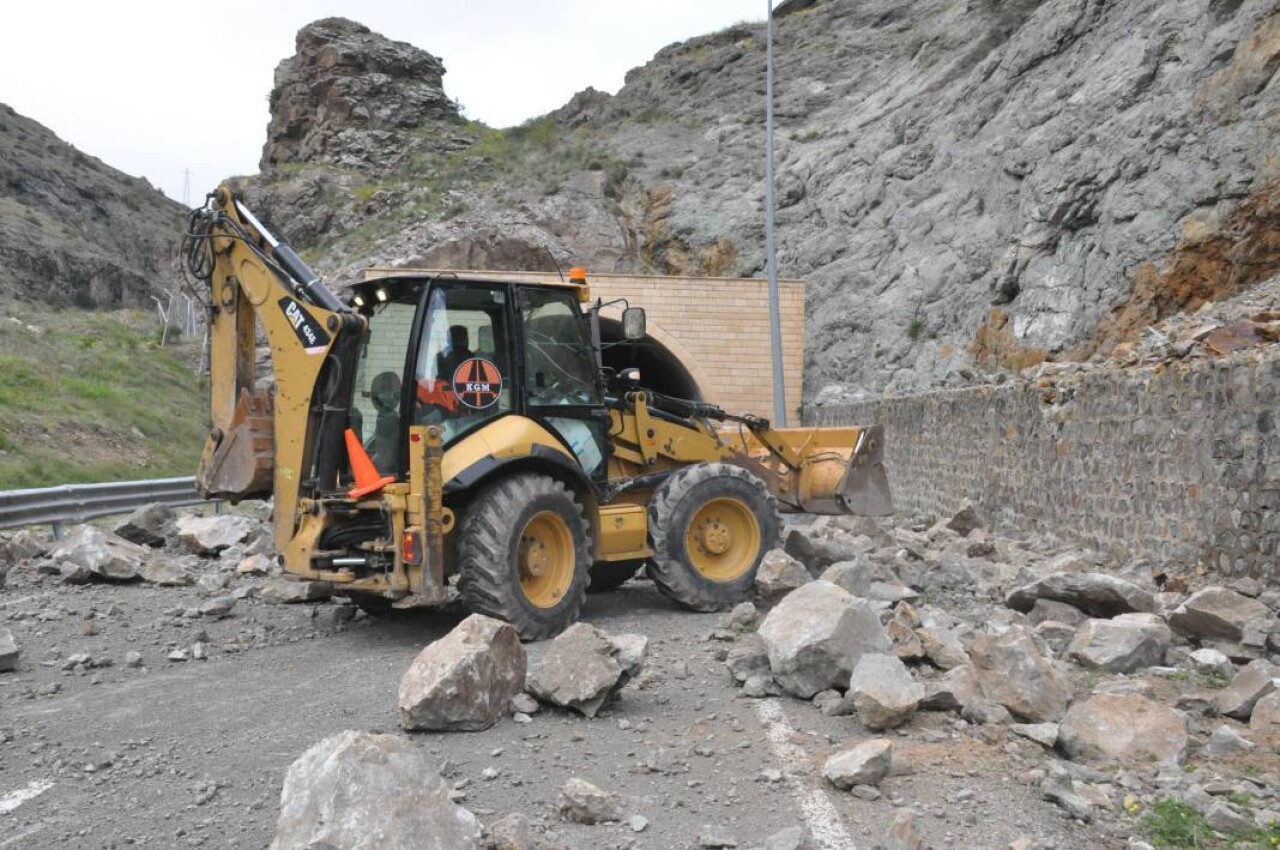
{"points": [[1179, 465], [717, 327]]}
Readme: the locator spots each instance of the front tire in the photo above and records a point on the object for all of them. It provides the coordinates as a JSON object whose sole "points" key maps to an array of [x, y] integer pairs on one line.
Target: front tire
{"points": [[523, 555], [710, 526]]}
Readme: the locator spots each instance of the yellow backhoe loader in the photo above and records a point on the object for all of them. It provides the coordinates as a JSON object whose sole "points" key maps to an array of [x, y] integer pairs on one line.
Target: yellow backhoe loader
{"points": [[430, 437]]}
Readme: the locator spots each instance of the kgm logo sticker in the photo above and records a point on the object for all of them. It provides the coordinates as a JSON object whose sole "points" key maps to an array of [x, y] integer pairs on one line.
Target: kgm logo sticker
{"points": [[477, 383]]}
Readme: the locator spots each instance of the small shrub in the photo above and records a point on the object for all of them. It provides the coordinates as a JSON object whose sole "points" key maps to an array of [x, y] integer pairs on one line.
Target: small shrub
{"points": [[1172, 823]]}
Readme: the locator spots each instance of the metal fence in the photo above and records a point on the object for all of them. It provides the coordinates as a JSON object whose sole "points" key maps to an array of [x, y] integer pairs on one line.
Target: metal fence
{"points": [[71, 503]]}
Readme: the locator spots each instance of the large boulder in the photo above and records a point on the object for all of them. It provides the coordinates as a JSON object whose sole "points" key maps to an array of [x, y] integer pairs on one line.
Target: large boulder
{"points": [[20, 546], [1012, 672], [779, 574], [86, 553], [952, 692], [942, 647], [147, 526], [864, 764], [852, 576], [355, 791], [1216, 612], [583, 667], [465, 680], [166, 572], [210, 535], [8, 651], [883, 692], [1127, 643], [1252, 683], [817, 634], [1123, 728], [1096, 594], [1266, 714]]}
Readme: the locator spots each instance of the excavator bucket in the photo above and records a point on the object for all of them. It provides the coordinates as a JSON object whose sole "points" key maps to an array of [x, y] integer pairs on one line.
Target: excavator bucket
{"points": [[828, 470]]}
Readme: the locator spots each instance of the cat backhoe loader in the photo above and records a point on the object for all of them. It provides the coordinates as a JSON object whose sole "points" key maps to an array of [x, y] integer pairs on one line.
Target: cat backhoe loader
{"points": [[428, 438]]}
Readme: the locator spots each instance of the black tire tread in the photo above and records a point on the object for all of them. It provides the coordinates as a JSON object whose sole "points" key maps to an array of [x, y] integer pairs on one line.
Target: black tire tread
{"points": [[487, 583], [674, 578]]}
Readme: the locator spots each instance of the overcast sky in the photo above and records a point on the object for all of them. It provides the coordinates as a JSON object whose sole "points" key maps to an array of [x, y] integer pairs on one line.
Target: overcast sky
{"points": [[153, 87]]}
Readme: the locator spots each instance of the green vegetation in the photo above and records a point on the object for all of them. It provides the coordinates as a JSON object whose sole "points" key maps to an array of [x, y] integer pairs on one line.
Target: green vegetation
{"points": [[914, 329], [1173, 825], [92, 397]]}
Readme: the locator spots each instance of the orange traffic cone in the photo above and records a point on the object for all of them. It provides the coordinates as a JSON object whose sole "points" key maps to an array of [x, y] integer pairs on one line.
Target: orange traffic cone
{"points": [[367, 478]]}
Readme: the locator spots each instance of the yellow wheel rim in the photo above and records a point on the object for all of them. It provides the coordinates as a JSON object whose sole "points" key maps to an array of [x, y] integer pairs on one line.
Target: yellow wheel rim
{"points": [[546, 559], [723, 539]]}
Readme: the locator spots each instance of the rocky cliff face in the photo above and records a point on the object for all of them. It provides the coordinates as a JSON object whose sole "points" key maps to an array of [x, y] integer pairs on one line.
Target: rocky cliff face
{"points": [[74, 231], [968, 187]]}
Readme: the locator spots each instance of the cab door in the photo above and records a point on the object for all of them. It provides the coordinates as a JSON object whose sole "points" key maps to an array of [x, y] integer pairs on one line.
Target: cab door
{"points": [[560, 383]]}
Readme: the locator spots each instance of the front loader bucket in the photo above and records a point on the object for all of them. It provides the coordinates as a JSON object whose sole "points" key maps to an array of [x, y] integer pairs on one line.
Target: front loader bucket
{"points": [[828, 470], [865, 488]]}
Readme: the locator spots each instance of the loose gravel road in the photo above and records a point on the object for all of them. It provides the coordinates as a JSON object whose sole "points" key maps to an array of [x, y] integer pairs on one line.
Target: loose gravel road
{"points": [[193, 754]]}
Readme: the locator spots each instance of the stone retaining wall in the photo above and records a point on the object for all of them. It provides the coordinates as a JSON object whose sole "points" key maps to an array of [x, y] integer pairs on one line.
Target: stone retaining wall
{"points": [[1178, 464]]}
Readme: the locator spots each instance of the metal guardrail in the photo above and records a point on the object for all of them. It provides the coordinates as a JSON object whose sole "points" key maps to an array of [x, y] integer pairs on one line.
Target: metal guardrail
{"points": [[70, 503]]}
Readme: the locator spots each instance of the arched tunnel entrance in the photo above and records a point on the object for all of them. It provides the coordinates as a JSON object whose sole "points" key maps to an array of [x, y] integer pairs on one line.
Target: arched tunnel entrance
{"points": [[660, 370]]}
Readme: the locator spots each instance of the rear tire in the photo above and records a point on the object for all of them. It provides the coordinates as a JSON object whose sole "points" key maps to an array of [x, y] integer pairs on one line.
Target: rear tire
{"points": [[710, 525], [611, 575], [523, 555]]}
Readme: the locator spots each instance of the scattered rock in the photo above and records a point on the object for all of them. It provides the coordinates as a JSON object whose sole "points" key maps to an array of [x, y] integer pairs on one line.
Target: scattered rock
{"points": [[1057, 636], [1125, 728], [1060, 788], [1044, 734], [1012, 672], [209, 535], [952, 692], [254, 565], [778, 575], [1224, 817], [864, 764], [9, 651], [133, 659], [166, 572], [852, 576], [1266, 713], [1226, 741], [87, 552], [883, 692], [638, 823], [943, 648], [906, 643], [791, 838], [581, 668], [466, 680], [353, 785], [524, 703], [287, 591], [512, 832], [1252, 683], [965, 521], [748, 657], [20, 546], [219, 606], [1216, 612], [1097, 594], [817, 634], [1212, 662], [1121, 645], [581, 802], [743, 617], [147, 526], [904, 834], [1045, 610]]}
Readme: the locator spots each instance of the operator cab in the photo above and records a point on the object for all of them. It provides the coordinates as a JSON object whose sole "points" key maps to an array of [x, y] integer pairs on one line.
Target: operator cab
{"points": [[463, 353]]}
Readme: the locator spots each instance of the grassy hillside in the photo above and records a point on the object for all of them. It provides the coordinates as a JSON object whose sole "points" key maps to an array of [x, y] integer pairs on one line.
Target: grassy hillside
{"points": [[92, 397]]}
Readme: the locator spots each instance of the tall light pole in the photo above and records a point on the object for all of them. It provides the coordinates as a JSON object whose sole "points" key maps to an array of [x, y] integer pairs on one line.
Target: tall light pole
{"points": [[771, 259]]}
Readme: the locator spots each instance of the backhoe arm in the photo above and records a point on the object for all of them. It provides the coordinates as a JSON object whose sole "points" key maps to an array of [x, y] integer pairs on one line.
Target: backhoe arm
{"points": [[285, 440]]}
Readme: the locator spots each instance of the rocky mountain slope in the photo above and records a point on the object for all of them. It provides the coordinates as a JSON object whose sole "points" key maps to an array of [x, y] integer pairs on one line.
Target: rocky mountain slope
{"points": [[967, 187], [74, 231]]}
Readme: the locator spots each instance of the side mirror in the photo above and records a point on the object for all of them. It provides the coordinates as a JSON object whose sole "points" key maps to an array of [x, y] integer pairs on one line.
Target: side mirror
{"points": [[633, 323]]}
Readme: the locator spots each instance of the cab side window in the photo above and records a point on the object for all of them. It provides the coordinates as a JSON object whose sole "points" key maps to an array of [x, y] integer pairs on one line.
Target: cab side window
{"points": [[559, 365]]}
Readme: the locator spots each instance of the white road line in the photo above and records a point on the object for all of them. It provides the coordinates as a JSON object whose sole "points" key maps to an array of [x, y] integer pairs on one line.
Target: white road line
{"points": [[13, 842], [13, 799], [826, 828]]}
